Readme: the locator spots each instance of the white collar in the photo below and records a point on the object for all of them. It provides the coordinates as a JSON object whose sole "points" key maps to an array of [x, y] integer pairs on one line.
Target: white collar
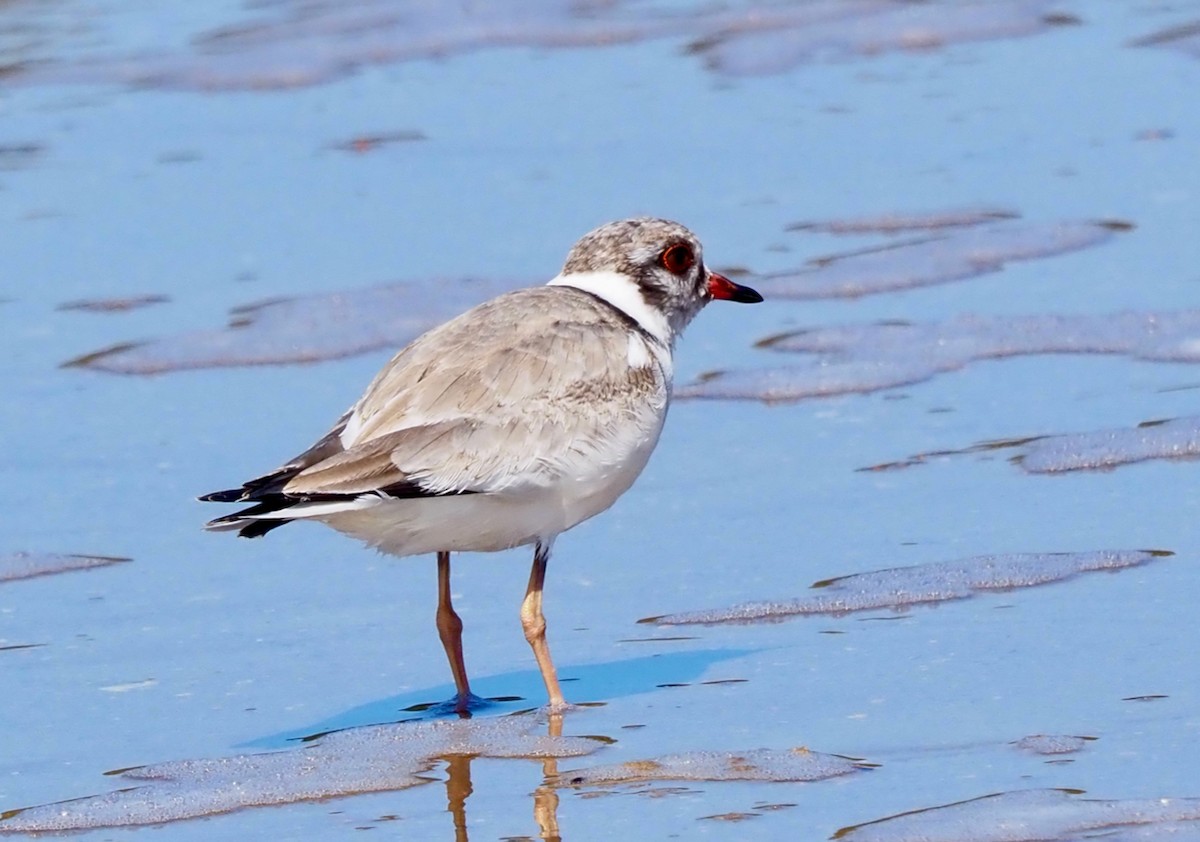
{"points": [[622, 292]]}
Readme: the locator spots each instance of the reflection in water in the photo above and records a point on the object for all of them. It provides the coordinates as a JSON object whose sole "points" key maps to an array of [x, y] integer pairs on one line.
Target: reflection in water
{"points": [[795, 765], [545, 797], [458, 790]]}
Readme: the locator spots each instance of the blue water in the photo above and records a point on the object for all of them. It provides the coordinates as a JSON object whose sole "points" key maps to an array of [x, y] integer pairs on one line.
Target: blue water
{"points": [[206, 646]]}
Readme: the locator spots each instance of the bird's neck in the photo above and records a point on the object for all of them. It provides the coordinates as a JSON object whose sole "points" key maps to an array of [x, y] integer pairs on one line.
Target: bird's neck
{"points": [[622, 292]]}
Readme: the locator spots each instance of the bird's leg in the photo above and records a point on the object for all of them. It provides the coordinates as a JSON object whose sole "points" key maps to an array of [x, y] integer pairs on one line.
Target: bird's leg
{"points": [[534, 623], [450, 630]]}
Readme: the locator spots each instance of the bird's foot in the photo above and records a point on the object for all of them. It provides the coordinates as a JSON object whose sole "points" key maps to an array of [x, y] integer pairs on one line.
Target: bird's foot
{"points": [[461, 704], [560, 706]]}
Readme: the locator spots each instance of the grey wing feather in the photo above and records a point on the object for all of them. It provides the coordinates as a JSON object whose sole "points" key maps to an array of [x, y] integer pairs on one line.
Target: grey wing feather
{"points": [[480, 405]]}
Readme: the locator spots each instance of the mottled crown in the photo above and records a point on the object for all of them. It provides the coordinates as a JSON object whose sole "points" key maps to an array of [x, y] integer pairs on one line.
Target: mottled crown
{"points": [[661, 259], [627, 245]]}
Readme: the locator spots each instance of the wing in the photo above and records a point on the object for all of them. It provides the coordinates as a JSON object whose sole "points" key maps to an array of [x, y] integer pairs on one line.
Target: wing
{"points": [[525, 390]]}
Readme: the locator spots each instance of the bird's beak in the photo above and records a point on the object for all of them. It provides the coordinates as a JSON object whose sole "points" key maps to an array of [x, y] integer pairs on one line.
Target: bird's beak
{"points": [[721, 287]]}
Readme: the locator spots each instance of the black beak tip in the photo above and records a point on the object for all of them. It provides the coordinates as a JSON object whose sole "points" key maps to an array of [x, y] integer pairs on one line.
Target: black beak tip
{"points": [[722, 288]]}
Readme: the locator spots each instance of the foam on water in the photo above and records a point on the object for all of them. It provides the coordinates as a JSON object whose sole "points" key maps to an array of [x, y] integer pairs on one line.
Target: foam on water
{"points": [[967, 251], [1037, 815], [1052, 743], [114, 305], [20, 156], [796, 764], [339, 324], [899, 587], [866, 358], [1185, 38], [1182, 831], [370, 759], [901, 221], [1096, 450], [295, 44], [1178, 438], [838, 30], [23, 565], [305, 329]]}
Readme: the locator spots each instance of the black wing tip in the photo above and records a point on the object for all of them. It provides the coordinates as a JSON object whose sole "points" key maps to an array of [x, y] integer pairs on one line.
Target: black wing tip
{"points": [[246, 528], [229, 495], [259, 528], [267, 487], [223, 522]]}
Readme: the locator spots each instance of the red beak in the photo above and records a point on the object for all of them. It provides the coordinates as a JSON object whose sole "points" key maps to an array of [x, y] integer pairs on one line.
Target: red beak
{"points": [[726, 290]]}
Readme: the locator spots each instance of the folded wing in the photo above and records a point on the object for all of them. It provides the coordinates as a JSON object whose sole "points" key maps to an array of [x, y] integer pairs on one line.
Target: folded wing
{"points": [[507, 397]]}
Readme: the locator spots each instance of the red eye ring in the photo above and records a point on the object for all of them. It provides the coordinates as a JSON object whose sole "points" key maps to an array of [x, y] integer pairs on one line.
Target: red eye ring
{"points": [[677, 258]]}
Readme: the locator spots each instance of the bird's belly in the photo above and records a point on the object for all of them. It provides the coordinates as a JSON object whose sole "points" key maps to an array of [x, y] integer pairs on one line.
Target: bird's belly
{"points": [[492, 521]]}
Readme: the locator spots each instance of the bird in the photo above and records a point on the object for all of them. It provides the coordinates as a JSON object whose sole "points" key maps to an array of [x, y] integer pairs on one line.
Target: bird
{"points": [[507, 425]]}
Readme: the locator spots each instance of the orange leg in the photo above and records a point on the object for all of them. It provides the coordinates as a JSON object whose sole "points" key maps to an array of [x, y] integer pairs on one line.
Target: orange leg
{"points": [[534, 624], [450, 630]]}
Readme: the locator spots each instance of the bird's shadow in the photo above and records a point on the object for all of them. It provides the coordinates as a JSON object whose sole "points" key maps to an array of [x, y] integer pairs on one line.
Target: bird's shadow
{"points": [[515, 691]]}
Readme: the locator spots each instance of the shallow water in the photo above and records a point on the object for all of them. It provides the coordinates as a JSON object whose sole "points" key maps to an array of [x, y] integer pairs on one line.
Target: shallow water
{"points": [[329, 185]]}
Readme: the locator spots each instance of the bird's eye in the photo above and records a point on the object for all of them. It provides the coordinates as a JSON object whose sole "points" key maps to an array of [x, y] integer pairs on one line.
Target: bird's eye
{"points": [[677, 259]]}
